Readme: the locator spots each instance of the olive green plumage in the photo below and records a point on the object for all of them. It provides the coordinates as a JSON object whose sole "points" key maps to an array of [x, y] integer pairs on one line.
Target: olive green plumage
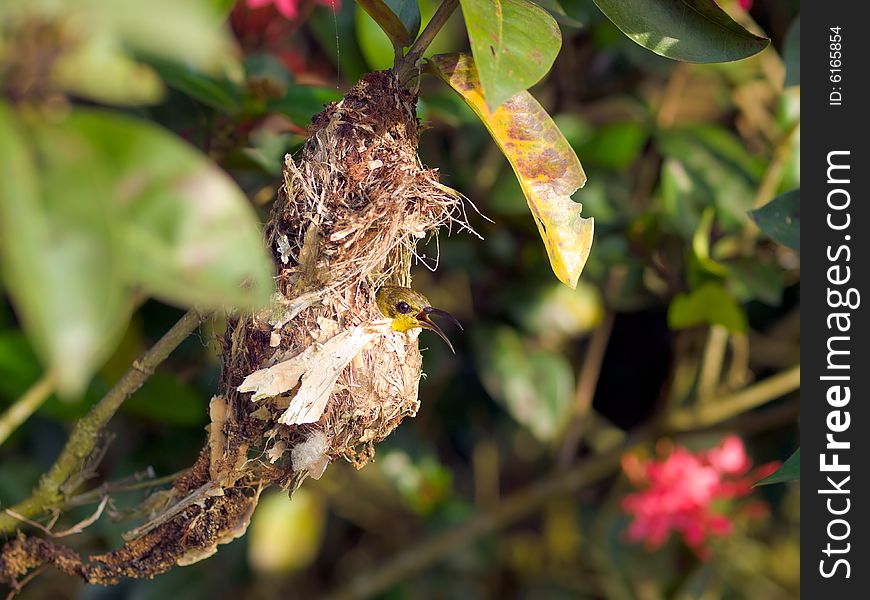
{"points": [[410, 309]]}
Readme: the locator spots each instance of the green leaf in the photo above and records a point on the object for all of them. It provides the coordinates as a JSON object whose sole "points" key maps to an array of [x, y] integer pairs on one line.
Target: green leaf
{"points": [[167, 400], [326, 25], [701, 243], [375, 47], [223, 7], [791, 54], [682, 197], [751, 279], [61, 268], [514, 43], [689, 30], [789, 471], [534, 386], [555, 9], [104, 40], [615, 145], [781, 219], [302, 102], [217, 92], [184, 230], [19, 366], [99, 68], [718, 171], [399, 19], [189, 32], [709, 304]]}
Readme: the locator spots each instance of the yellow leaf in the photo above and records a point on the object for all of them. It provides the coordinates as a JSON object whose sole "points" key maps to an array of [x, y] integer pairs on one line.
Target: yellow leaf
{"points": [[544, 162]]}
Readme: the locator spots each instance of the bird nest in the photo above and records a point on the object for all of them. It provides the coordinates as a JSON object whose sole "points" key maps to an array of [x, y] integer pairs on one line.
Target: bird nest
{"points": [[319, 375], [334, 376]]}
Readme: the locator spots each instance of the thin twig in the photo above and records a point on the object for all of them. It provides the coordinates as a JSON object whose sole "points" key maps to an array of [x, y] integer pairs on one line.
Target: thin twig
{"points": [[19, 586], [719, 410], [711, 363], [128, 484], [585, 392], [407, 66], [773, 175], [88, 430], [25, 406]]}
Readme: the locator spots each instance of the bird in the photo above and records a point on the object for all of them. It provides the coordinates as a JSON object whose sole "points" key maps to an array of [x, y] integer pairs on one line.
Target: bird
{"points": [[409, 309]]}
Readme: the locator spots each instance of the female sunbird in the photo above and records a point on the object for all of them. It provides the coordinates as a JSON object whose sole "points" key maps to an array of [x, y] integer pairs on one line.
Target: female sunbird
{"points": [[409, 309]]}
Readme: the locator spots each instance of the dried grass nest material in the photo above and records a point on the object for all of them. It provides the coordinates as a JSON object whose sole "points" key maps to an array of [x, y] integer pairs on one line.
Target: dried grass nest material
{"points": [[319, 375], [350, 213]]}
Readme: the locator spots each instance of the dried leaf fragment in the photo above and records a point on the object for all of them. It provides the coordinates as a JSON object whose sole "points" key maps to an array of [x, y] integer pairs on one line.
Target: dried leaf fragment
{"points": [[318, 368]]}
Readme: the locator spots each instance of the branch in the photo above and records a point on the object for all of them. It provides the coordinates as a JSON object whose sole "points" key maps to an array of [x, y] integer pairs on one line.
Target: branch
{"points": [[511, 509], [585, 391], [588, 471], [138, 481], [25, 406], [65, 475], [405, 68], [713, 412]]}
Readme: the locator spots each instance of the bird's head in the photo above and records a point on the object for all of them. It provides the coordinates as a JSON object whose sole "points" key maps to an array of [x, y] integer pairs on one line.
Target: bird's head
{"points": [[409, 309]]}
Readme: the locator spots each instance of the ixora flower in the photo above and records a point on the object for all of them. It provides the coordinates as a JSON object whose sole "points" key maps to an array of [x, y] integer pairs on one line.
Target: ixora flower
{"points": [[690, 494]]}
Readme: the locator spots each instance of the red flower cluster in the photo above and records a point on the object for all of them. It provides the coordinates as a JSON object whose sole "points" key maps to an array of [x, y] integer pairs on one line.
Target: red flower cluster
{"points": [[689, 493]]}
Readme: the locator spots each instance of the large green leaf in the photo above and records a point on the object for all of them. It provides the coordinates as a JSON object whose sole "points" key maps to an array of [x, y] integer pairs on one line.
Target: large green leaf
{"points": [[514, 43], [61, 268], [689, 30], [781, 219], [217, 92], [534, 386], [117, 206], [789, 471], [185, 231], [104, 40], [100, 68], [301, 102], [715, 168], [190, 32], [399, 19], [709, 304]]}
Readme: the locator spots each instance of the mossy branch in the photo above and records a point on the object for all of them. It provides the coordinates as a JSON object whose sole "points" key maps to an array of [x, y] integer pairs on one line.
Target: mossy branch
{"points": [[66, 473]]}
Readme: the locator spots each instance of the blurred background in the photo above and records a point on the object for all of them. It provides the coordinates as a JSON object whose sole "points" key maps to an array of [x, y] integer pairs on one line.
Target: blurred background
{"points": [[683, 304]]}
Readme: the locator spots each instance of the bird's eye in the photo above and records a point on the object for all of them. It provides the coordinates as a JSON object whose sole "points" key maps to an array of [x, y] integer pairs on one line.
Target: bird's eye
{"points": [[403, 308]]}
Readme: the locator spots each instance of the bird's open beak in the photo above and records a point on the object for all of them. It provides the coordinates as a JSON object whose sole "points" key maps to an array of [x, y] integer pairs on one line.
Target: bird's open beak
{"points": [[426, 322]]}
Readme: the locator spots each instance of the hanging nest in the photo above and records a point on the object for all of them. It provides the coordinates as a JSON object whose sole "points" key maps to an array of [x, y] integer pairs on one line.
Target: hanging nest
{"points": [[319, 375]]}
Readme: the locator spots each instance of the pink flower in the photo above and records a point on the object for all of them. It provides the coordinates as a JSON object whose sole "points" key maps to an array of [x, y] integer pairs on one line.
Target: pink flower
{"points": [[730, 457], [289, 9], [689, 493]]}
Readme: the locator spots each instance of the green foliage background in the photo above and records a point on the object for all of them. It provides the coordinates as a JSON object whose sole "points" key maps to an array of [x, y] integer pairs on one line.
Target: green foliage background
{"points": [[677, 156]]}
